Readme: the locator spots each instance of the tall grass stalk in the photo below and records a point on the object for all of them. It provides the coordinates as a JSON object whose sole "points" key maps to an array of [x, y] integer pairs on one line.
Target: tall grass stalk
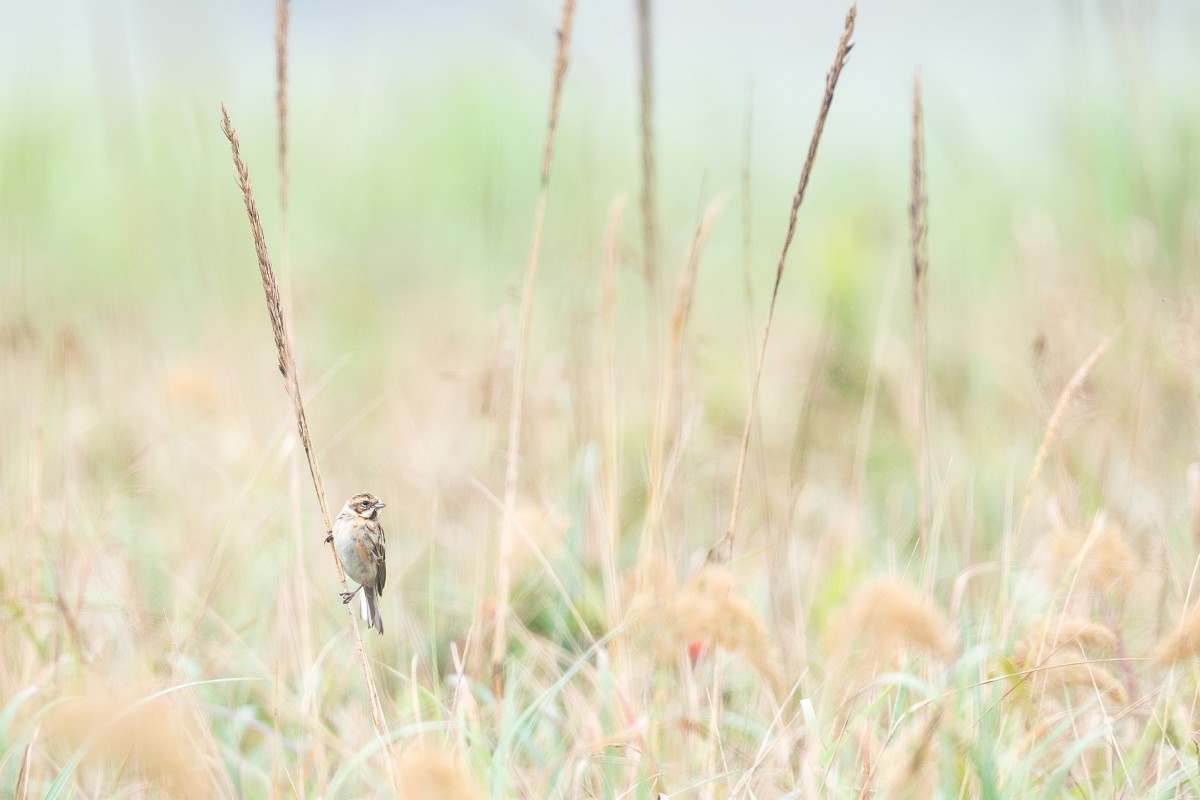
{"points": [[512, 467], [722, 551], [918, 245], [649, 198], [287, 368], [300, 579], [282, 20], [672, 357], [612, 455], [1053, 424]]}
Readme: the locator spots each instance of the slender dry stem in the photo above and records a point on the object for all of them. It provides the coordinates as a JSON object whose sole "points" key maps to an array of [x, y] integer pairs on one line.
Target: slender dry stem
{"points": [[645, 21], [918, 229], [670, 370], [275, 756], [516, 407], [287, 368], [36, 534], [747, 217], [722, 551], [651, 273], [612, 510], [22, 788], [1056, 419], [282, 18], [300, 579], [1048, 437], [747, 248], [801, 441]]}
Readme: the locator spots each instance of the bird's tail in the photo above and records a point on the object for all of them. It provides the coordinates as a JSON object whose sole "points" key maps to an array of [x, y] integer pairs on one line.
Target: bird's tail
{"points": [[370, 612]]}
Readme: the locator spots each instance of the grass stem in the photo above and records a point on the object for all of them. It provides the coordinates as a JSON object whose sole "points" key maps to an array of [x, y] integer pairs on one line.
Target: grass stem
{"points": [[722, 551], [512, 466]]}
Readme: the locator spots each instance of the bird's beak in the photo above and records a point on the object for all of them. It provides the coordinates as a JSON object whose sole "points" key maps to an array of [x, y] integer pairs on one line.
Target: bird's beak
{"points": [[380, 504]]}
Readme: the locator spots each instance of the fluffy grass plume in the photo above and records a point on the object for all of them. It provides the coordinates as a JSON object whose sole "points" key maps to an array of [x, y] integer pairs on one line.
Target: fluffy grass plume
{"points": [[1182, 643], [158, 740], [429, 773], [1099, 558], [1059, 656], [882, 621], [706, 611]]}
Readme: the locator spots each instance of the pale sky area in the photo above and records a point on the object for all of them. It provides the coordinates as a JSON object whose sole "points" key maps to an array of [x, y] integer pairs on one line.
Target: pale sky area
{"points": [[989, 60]]}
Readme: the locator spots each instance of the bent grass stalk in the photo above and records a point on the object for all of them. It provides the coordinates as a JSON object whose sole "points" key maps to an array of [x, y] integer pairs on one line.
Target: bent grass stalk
{"points": [[722, 551], [287, 368]]}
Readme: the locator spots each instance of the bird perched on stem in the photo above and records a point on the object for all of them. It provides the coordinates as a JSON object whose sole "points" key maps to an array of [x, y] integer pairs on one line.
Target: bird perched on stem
{"points": [[362, 548]]}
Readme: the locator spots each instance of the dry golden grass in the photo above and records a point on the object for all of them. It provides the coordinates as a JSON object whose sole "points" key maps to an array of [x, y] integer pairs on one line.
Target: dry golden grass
{"points": [[158, 740]]}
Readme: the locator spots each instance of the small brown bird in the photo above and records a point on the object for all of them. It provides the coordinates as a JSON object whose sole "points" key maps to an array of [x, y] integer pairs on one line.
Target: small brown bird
{"points": [[362, 548]]}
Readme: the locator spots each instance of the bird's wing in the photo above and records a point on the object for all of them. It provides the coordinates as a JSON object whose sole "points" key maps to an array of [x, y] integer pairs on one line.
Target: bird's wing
{"points": [[379, 551]]}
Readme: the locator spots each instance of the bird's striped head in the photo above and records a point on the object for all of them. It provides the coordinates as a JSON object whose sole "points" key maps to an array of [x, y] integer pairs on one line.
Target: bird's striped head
{"points": [[364, 504]]}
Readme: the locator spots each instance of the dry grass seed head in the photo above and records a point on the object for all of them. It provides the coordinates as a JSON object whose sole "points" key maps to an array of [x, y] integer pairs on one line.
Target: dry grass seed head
{"points": [[1047, 731], [1103, 557], [1181, 644], [908, 767], [1053, 633], [651, 585], [1058, 652], [1064, 671], [708, 608], [429, 773], [193, 388], [885, 618]]}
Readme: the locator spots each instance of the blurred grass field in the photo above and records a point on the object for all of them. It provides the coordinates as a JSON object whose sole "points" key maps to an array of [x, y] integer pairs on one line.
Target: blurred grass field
{"points": [[169, 620]]}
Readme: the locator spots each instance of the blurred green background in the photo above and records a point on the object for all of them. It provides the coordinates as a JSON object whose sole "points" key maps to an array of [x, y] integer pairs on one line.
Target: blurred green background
{"points": [[1062, 158], [1061, 152], [1062, 161]]}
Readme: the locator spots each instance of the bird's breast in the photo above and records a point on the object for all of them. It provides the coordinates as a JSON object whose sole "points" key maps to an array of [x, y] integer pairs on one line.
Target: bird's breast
{"points": [[351, 544]]}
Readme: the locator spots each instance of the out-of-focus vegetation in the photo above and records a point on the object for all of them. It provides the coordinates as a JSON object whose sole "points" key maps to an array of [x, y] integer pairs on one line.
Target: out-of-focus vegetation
{"points": [[169, 623]]}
